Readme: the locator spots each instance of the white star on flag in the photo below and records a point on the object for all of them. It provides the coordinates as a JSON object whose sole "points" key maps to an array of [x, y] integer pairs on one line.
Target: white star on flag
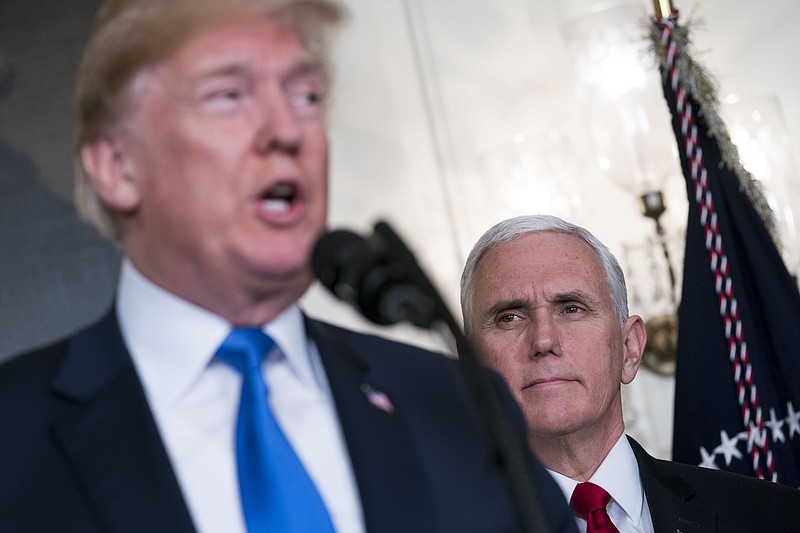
{"points": [[775, 425], [756, 436], [793, 419], [728, 447], [708, 459]]}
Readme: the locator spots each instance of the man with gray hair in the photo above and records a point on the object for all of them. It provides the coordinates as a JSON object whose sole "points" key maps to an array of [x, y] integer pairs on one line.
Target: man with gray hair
{"points": [[545, 302], [205, 399]]}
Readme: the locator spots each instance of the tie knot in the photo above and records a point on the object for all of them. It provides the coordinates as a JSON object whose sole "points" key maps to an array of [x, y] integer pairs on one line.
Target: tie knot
{"points": [[588, 498], [244, 349]]}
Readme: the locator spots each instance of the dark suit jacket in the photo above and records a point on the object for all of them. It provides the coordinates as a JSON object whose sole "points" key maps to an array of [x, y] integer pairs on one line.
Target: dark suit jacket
{"points": [[691, 499], [80, 451]]}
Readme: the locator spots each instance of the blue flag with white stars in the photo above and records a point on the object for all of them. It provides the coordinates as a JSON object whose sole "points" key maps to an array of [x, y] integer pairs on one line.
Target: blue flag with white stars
{"points": [[737, 389]]}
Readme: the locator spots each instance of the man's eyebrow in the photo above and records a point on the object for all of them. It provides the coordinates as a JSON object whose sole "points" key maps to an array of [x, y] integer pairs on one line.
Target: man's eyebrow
{"points": [[307, 66], [303, 67], [232, 68], [575, 296], [505, 305]]}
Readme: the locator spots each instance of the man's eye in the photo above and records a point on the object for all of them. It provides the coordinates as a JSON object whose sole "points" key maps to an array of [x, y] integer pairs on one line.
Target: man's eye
{"points": [[222, 92], [228, 94], [309, 98], [307, 102], [222, 99], [225, 93], [572, 309], [509, 317]]}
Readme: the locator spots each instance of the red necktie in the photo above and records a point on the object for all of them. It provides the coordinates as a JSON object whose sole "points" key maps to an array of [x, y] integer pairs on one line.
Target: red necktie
{"points": [[589, 502]]}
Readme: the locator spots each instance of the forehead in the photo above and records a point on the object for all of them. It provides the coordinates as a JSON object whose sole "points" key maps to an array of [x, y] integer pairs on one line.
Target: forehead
{"points": [[543, 248], [539, 258], [255, 41]]}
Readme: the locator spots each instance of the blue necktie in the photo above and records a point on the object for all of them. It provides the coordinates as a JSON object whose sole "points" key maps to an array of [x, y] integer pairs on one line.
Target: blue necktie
{"points": [[277, 494]]}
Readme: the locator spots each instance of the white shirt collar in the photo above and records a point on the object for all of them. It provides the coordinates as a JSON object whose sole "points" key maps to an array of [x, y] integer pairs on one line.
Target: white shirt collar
{"points": [[618, 474], [172, 341]]}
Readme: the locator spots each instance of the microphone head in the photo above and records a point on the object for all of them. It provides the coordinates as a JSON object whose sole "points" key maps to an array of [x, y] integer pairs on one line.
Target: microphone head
{"points": [[371, 276], [334, 252]]}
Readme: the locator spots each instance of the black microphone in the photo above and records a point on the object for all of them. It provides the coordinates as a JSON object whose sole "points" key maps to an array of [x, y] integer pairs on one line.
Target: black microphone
{"points": [[372, 275]]}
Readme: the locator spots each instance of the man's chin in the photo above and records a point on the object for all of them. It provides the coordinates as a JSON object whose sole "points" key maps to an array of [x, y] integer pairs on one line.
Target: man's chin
{"points": [[551, 426], [291, 276]]}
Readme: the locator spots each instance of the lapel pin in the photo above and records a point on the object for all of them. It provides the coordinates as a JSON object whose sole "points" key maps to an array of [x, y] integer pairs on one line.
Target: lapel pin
{"points": [[377, 399]]}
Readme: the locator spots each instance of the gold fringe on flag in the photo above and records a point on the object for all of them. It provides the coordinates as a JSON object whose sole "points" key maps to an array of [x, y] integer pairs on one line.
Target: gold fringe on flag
{"points": [[703, 88]]}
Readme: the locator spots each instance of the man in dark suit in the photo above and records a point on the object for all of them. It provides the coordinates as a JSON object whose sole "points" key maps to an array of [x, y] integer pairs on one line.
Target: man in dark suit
{"points": [[202, 149], [545, 302]]}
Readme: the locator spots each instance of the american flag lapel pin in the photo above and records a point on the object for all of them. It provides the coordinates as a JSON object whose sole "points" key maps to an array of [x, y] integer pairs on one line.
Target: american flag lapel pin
{"points": [[377, 399]]}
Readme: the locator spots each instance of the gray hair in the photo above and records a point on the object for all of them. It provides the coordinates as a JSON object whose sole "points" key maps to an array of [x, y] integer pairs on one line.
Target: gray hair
{"points": [[514, 228], [129, 35]]}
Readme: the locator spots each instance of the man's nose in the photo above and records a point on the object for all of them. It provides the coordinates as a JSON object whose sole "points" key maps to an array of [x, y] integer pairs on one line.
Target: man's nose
{"points": [[543, 336], [280, 128]]}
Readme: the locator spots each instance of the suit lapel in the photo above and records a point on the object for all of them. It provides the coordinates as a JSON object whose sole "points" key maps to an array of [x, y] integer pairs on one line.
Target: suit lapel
{"points": [[669, 495], [391, 479], [110, 439]]}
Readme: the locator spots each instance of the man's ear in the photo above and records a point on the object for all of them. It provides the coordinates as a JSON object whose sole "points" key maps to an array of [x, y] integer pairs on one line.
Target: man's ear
{"points": [[634, 337], [110, 169]]}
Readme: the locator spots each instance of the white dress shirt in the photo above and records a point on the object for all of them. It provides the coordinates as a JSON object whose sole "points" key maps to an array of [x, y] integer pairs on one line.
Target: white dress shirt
{"points": [[618, 474], [195, 401]]}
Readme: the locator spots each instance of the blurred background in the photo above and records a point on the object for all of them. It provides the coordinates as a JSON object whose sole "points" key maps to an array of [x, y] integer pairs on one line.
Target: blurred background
{"points": [[448, 116]]}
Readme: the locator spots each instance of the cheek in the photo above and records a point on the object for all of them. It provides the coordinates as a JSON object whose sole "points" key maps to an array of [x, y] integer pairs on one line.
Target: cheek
{"points": [[504, 356], [183, 135], [614, 355], [315, 150]]}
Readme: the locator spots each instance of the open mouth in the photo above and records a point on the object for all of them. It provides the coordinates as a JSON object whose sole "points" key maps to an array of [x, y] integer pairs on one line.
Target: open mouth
{"points": [[279, 198]]}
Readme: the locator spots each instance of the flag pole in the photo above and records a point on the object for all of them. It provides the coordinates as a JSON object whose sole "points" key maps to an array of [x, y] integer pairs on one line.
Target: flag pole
{"points": [[662, 8]]}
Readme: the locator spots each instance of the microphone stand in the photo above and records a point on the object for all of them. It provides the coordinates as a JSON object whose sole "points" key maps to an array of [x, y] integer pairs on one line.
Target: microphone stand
{"points": [[510, 450]]}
